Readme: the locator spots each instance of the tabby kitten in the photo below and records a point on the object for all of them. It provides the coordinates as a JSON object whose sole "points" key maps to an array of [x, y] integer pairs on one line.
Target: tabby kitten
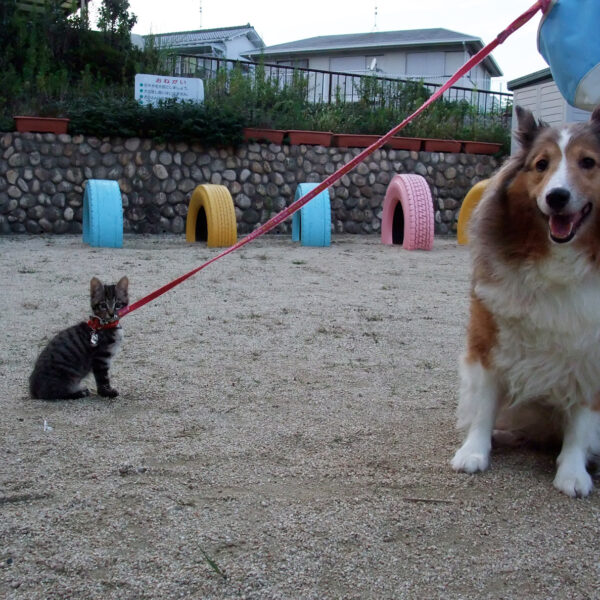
{"points": [[87, 346]]}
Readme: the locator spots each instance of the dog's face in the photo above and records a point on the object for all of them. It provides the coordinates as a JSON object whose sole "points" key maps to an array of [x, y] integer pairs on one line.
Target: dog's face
{"points": [[561, 172]]}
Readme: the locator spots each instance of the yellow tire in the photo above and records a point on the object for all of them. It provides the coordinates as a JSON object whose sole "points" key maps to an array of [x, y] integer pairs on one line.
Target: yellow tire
{"points": [[211, 217], [469, 203]]}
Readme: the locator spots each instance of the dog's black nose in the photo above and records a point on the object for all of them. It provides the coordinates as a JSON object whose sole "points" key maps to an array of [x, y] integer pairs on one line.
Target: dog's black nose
{"points": [[557, 198]]}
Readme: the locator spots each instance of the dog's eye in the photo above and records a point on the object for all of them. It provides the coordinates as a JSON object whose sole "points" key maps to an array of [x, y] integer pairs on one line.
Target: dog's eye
{"points": [[541, 165], [587, 162]]}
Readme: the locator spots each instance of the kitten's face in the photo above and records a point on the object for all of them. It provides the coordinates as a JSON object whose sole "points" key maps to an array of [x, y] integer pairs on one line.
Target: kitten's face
{"points": [[107, 300]]}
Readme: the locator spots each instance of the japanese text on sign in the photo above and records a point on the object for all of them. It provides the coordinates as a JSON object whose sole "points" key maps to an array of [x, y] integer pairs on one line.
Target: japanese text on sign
{"points": [[151, 89]]}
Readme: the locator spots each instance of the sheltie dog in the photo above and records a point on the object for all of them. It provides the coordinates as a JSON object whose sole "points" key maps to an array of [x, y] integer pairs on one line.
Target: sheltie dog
{"points": [[531, 368]]}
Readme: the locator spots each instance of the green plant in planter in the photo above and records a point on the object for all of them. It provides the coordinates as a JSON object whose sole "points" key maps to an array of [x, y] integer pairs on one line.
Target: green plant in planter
{"points": [[171, 120], [261, 100]]}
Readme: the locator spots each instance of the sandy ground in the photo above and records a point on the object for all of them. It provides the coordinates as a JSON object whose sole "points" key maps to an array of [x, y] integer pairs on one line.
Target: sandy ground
{"points": [[284, 430]]}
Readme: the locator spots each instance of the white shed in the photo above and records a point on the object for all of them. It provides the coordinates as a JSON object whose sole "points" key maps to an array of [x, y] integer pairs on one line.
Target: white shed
{"points": [[538, 93]]}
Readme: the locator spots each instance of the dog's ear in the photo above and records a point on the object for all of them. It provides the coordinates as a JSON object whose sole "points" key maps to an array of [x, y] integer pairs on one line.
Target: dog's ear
{"points": [[527, 127], [595, 120]]}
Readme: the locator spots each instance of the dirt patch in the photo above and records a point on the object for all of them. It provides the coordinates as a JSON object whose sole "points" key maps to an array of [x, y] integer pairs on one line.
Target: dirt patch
{"points": [[283, 430]]}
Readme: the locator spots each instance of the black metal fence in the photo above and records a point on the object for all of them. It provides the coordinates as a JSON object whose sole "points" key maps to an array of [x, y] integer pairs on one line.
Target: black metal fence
{"points": [[332, 87]]}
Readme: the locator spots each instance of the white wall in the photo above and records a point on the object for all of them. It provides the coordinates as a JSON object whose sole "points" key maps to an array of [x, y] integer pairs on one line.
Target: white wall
{"points": [[318, 62], [238, 46], [546, 102], [438, 67], [433, 67]]}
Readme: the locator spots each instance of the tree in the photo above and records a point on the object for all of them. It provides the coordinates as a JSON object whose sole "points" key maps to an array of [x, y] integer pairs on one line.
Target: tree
{"points": [[116, 23]]}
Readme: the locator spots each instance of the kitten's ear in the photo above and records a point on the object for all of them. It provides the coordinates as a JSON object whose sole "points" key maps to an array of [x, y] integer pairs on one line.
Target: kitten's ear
{"points": [[95, 286], [123, 284]]}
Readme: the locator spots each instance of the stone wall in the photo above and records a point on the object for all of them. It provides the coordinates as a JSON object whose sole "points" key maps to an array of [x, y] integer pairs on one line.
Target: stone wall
{"points": [[42, 179]]}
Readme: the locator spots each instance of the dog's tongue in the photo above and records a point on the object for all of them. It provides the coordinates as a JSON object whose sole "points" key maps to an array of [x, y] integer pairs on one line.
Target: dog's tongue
{"points": [[561, 225]]}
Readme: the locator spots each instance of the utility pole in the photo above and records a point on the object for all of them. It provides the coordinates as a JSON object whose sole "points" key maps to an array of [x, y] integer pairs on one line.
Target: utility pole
{"points": [[200, 6]]}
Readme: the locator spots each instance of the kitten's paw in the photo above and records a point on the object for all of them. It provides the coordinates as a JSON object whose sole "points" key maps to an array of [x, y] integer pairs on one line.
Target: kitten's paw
{"points": [[83, 393], [108, 392], [470, 459], [576, 483]]}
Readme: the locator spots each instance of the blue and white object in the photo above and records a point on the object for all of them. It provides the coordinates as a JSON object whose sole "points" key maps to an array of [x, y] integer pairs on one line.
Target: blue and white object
{"points": [[311, 225], [102, 214], [568, 40]]}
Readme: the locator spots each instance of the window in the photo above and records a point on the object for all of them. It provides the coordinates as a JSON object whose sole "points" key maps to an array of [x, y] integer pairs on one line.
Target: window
{"points": [[347, 64], [425, 64]]}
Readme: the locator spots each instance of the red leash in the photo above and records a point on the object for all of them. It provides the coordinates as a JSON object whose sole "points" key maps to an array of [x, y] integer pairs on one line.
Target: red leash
{"points": [[292, 208]]}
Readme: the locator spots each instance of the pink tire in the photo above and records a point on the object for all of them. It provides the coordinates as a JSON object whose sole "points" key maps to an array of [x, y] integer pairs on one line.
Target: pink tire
{"points": [[408, 213]]}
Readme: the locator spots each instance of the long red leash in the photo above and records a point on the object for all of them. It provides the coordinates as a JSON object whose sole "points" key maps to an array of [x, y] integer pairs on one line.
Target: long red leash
{"points": [[292, 208]]}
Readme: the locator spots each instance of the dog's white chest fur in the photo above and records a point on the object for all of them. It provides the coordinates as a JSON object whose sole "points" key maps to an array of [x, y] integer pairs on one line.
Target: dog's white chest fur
{"points": [[548, 319]]}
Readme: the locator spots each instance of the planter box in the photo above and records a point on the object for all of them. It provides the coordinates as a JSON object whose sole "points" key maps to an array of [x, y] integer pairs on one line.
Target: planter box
{"points": [[481, 147], [41, 124], [316, 138], [354, 140], [404, 143], [275, 136], [432, 145]]}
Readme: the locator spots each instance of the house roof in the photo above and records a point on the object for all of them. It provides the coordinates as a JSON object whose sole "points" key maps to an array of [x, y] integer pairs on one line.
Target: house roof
{"points": [[202, 37], [531, 79], [379, 40]]}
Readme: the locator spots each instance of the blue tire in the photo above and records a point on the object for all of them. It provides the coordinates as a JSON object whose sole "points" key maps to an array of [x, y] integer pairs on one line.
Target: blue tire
{"points": [[311, 225], [102, 214]]}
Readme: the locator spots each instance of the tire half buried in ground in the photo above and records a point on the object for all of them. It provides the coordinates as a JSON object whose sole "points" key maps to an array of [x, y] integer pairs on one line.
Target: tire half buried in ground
{"points": [[102, 213], [311, 225], [211, 217], [407, 218]]}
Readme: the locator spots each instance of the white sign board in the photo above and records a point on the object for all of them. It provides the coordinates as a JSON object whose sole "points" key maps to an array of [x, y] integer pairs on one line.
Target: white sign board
{"points": [[150, 89]]}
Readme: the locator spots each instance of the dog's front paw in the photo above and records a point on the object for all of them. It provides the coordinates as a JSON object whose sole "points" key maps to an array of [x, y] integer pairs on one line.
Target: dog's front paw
{"points": [[576, 482], [471, 459]]}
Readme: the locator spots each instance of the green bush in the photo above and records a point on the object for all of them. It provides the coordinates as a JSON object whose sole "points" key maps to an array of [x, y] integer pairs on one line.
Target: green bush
{"points": [[169, 121]]}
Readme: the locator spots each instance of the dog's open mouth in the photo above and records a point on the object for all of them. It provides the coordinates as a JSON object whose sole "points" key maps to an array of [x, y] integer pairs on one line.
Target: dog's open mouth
{"points": [[564, 227]]}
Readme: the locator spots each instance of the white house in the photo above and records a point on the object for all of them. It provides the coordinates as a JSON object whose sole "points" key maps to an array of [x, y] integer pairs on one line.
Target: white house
{"points": [[538, 93], [429, 54], [224, 42]]}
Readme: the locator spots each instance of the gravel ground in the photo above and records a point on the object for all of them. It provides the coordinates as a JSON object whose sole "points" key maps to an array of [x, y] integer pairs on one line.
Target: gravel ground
{"points": [[283, 430]]}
